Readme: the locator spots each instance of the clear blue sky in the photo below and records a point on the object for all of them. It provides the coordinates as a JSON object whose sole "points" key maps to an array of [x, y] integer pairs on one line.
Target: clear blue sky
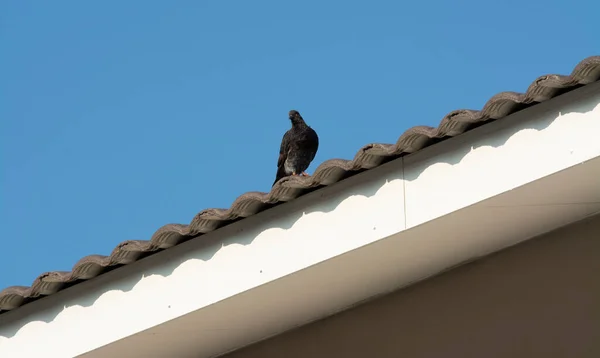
{"points": [[120, 116]]}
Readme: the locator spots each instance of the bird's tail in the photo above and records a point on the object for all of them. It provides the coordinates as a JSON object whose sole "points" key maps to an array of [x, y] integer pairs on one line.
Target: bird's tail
{"points": [[280, 174]]}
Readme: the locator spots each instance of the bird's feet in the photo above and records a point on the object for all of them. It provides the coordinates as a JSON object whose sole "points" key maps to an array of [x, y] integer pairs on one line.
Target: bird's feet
{"points": [[305, 174]]}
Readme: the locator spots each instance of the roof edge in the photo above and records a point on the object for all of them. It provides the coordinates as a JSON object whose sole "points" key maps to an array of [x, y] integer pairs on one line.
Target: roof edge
{"points": [[329, 172]]}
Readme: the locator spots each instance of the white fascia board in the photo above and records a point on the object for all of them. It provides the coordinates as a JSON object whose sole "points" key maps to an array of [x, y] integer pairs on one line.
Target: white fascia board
{"points": [[496, 158], [372, 270], [209, 269], [313, 229]]}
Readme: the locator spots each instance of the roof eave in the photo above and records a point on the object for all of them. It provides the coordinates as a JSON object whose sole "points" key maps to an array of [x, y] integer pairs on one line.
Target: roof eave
{"points": [[380, 230]]}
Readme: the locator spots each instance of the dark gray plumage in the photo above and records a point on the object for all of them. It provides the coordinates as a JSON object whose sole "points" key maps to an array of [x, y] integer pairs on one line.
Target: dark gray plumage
{"points": [[299, 146]]}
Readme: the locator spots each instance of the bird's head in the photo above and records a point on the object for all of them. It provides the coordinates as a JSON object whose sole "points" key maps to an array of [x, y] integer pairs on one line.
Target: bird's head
{"points": [[296, 118], [294, 114]]}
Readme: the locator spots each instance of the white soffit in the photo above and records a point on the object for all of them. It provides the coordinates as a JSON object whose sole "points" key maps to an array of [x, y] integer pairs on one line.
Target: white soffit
{"points": [[372, 270]]}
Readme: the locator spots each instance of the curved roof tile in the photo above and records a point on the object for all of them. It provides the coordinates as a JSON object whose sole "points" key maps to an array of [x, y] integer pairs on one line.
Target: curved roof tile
{"points": [[329, 172]]}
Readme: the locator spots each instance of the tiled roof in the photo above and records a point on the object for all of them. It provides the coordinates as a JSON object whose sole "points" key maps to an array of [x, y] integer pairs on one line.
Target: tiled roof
{"points": [[329, 172]]}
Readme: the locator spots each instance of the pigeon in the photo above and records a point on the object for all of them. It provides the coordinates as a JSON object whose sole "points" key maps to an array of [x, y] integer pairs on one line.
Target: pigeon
{"points": [[298, 148]]}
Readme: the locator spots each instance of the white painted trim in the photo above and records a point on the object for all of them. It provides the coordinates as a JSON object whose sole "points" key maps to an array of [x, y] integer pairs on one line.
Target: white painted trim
{"points": [[225, 263], [493, 159], [372, 270]]}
